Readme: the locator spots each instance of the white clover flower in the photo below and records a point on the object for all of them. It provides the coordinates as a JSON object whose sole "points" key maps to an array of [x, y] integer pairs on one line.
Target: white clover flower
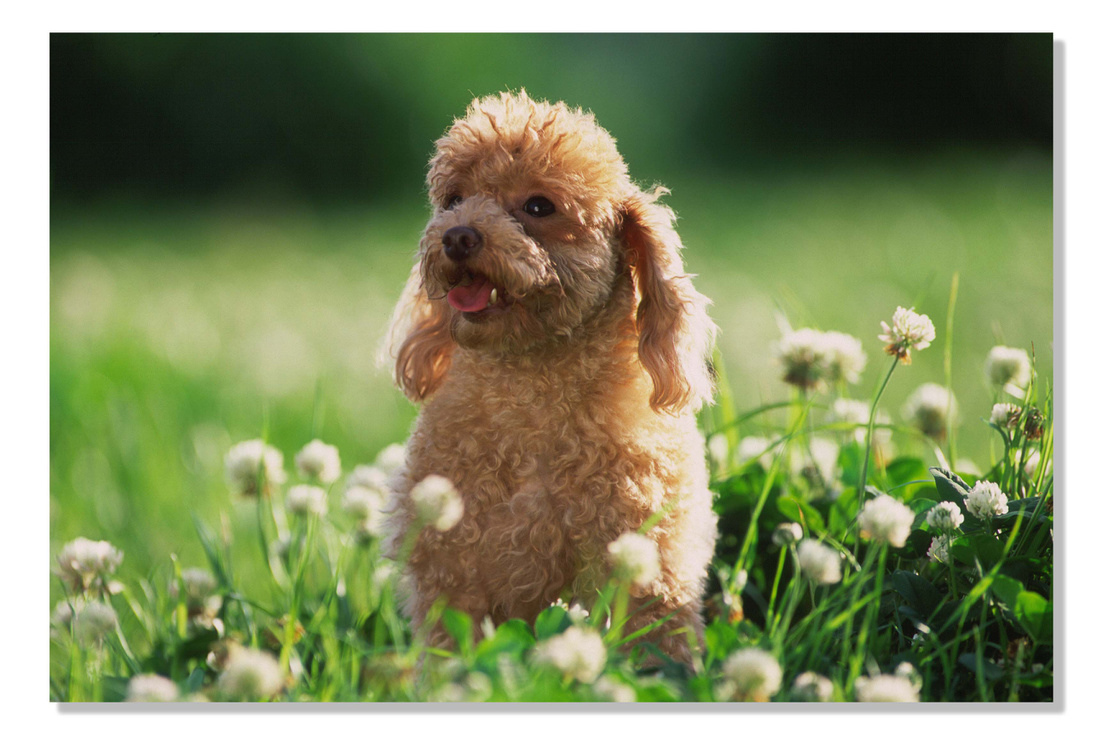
{"points": [[367, 491], [307, 499], [811, 687], [610, 690], [719, 449], [844, 357], [578, 653], [636, 558], [369, 477], [94, 621], [391, 459], [85, 565], [198, 584], [906, 670], [250, 675], [1008, 366], [1005, 415], [787, 534], [939, 549], [576, 613], [854, 412], [755, 673], [478, 686], [821, 464], [437, 502], [945, 517], [150, 687], [887, 688], [886, 520], [810, 358], [907, 331], [986, 500], [370, 529], [319, 461], [753, 447], [449, 692], [819, 563], [804, 357], [849, 411], [362, 503], [930, 409], [245, 464]]}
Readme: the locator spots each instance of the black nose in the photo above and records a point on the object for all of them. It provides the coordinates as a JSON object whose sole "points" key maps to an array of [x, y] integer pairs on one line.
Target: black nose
{"points": [[461, 243]]}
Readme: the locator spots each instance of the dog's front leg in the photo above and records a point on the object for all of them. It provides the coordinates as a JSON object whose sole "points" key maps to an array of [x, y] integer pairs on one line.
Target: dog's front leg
{"points": [[437, 577]]}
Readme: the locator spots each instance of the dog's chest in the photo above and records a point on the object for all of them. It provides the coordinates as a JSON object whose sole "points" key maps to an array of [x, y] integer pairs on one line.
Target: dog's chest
{"points": [[515, 448]]}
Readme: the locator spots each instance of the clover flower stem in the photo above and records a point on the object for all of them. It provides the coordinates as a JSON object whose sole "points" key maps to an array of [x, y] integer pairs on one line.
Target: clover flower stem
{"points": [[777, 580], [262, 534], [804, 413], [297, 589], [1045, 454], [952, 574], [861, 487], [619, 609], [819, 640], [790, 601], [746, 551]]}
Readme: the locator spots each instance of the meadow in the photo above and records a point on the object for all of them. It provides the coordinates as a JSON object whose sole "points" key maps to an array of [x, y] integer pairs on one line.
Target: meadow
{"points": [[179, 331]]}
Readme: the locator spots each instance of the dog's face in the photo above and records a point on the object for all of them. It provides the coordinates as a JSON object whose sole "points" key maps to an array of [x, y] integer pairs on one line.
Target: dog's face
{"points": [[522, 246], [535, 226]]}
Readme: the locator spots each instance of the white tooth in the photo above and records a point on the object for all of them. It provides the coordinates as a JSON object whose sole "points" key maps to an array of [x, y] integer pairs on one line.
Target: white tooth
{"points": [[493, 296]]}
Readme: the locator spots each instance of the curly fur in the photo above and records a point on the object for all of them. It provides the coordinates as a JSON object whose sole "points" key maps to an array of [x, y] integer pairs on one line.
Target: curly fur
{"points": [[568, 418]]}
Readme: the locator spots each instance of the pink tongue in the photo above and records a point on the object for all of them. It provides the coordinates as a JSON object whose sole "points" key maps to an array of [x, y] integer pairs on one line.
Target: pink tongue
{"points": [[473, 297]]}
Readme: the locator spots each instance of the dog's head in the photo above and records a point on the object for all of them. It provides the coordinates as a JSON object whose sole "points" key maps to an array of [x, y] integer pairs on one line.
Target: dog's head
{"points": [[535, 223]]}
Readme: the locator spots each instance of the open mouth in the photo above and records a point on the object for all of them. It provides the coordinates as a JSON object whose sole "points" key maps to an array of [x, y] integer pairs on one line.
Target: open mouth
{"points": [[476, 295]]}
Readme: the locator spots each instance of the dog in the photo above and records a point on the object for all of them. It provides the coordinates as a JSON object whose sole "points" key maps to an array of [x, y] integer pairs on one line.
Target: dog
{"points": [[560, 353]]}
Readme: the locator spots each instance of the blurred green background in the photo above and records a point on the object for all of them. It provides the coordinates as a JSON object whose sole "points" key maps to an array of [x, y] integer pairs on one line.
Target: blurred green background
{"points": [[232, 217]]}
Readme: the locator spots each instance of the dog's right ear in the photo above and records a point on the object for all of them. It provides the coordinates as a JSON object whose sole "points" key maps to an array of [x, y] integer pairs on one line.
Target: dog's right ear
{"points": [[419, 340]]}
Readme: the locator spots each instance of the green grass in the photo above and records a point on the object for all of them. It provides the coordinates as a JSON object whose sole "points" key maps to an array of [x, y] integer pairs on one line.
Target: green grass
{"points": [[178, 332]]}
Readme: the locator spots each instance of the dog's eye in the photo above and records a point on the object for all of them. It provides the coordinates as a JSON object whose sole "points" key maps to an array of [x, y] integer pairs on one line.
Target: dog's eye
{"points": [[538, 207], [451, 201]]}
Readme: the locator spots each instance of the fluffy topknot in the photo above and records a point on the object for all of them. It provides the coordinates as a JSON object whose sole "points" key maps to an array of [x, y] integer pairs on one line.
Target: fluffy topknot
{"points": [[512, 139]]}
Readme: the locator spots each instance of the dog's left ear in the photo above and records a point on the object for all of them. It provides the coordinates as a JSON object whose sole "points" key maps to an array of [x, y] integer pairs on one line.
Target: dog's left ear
{"points": [[419, 340], [675, 334]]}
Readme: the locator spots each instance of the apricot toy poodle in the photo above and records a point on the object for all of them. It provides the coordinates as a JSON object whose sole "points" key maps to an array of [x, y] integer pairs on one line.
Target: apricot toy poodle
{"points": [[560, 352]]}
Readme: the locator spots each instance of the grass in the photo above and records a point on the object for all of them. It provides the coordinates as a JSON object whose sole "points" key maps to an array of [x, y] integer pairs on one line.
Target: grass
{"points": [[176, 333]]}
